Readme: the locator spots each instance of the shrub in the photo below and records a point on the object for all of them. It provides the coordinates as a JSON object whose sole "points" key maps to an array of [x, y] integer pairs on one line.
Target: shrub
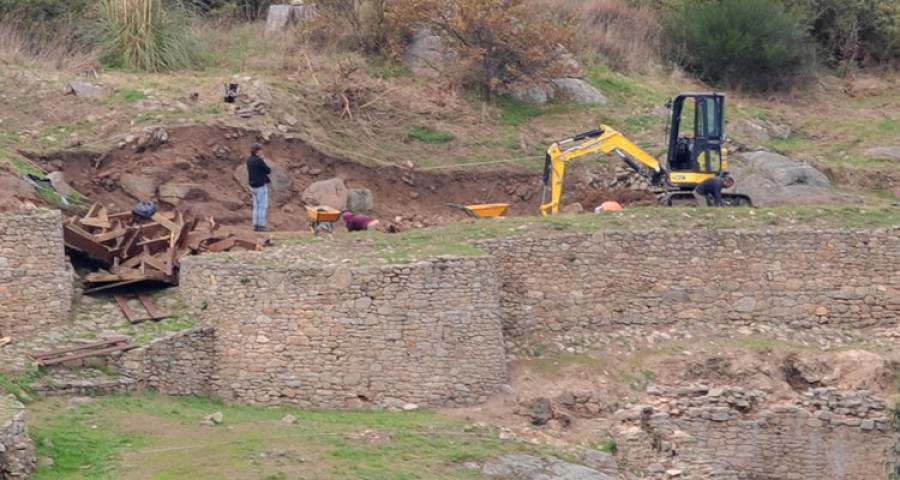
{"points": [[146, 35], [750, 44], [853, 32], [495, 44], [43, 19], [354, 25], [233, 9]]}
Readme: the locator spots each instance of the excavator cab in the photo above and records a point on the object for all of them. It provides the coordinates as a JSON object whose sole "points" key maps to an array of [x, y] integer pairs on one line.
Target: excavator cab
{"points": [[695, 134]]}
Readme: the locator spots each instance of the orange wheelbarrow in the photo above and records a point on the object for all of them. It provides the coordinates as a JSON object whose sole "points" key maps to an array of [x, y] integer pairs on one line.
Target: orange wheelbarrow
{"points": [[322, 218], [481, 210]]}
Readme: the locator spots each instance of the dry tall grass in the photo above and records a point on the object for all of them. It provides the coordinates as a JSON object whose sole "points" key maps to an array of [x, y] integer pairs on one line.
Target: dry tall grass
{"points": [[144, 35], [623, 36], [18, 47]]}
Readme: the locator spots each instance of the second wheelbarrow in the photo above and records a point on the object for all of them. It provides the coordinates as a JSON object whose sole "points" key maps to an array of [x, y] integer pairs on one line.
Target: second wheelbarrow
{"points": [[481, 210]]}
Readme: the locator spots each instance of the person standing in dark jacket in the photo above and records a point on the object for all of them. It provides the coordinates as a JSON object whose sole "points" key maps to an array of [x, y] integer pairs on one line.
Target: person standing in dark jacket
{"points": [[258, 176], [712, 187]]}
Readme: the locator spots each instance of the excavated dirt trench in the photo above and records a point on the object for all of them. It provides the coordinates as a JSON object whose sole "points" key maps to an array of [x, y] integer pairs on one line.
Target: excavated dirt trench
{"points": [[212, 157]]}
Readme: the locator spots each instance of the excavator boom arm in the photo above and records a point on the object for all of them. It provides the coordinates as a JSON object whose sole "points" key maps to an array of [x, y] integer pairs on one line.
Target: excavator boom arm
{"points": [[606, 140]]}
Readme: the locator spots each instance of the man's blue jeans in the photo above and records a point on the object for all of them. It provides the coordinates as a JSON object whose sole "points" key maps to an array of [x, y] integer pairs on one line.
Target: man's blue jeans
{"points": [[260, 204]]}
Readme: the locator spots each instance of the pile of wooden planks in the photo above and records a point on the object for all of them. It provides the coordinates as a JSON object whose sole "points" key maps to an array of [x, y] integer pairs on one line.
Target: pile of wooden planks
{"points": [[133, 248]]}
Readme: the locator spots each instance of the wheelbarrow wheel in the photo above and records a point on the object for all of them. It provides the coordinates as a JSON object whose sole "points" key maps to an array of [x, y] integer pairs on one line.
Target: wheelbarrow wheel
{"points": [[325, 227]]}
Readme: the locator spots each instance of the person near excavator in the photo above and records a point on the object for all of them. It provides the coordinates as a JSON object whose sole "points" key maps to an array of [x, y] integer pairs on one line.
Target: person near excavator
{"points": [[712, 187], [258, 176], [357, 222]]}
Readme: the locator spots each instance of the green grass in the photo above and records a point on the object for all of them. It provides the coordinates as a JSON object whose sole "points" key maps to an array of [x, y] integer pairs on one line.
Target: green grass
{"points": [[150, 436], [514, 112], [888, 126], [20, 385], [131, 95], [429, 135], [621, 89], [607, 446], [454, 239], [792, 145]]}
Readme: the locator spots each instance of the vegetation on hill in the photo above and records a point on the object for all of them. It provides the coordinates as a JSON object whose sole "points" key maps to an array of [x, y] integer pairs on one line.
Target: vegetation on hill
{"points": [[756, 44], [766, 47]]}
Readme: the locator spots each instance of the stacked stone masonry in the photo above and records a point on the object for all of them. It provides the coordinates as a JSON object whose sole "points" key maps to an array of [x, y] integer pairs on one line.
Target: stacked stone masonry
{"points": [[179, 364], [581, 283], [17, 457], [338, 336], [726, 433], [35, 278], [280, 330]]}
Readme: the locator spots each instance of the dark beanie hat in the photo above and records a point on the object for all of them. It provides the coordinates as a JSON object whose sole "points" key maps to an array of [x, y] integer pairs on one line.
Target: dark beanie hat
{"points": [[255, 148]]}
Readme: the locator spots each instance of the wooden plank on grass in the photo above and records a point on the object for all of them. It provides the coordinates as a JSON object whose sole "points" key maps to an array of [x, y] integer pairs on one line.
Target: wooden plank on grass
{"points": [[93, 353], [123, 304]]}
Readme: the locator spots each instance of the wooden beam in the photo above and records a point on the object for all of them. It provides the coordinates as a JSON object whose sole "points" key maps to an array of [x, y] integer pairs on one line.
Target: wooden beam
{"points": [[96, 222], [155, 263], [221, 245], [94, 353], [123, 304], [77, 238], [80, 347], [105, 237], [159, 218], [151, 309]]}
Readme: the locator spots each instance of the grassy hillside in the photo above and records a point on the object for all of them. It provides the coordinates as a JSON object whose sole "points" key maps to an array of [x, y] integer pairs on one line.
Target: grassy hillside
{"points": [[375, 111]]}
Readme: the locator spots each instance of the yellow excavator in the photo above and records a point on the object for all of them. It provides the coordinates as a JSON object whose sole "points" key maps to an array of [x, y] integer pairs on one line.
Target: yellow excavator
{"points": [[694, 154]]}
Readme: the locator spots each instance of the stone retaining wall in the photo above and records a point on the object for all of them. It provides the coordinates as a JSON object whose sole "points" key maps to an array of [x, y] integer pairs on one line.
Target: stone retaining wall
{"points": [[17, 458], [580, 283], [341, 336], [35, 278], [179, 364], [729, 434]]}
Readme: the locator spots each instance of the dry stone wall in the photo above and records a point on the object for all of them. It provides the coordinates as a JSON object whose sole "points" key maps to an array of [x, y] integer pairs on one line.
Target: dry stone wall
{"points": [[579, 283], [35, 278], [727, 433], [17, 457], [179, 364], [343, 335]]}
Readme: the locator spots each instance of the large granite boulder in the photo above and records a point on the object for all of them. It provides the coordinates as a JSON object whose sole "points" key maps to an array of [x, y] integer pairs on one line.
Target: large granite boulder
{"points": [[771, 179], [331, 192]]}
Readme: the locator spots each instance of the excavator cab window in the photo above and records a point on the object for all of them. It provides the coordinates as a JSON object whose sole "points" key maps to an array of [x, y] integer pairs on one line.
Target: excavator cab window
{"points": [[695, 134]]}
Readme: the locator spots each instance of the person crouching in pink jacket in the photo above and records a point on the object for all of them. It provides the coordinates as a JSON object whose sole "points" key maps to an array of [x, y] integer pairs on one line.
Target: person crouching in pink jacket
{"points": [[358, 222]]}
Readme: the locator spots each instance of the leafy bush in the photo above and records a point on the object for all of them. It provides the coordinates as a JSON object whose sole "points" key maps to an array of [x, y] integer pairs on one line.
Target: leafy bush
{"points": [[750, 44], [853, 32], [43, 19], [494, 44], [146, 35]]}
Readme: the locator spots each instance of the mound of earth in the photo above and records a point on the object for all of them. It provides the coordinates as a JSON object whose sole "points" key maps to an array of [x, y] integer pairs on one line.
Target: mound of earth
{"points": [[202, 168]]}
